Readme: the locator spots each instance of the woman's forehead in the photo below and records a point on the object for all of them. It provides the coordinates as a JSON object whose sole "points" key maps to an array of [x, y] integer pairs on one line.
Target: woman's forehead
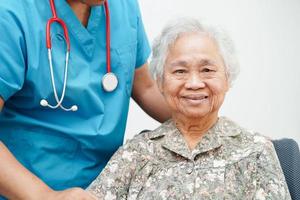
{"points": [[194, 40], [193, 46]]}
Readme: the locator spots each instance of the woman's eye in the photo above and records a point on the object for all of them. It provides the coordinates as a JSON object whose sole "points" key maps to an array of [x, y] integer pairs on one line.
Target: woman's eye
{"points": [[207, 70], [179, 71]]}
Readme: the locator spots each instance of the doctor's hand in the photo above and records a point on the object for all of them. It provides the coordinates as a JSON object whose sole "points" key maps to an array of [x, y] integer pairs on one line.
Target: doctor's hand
{"points": [[70, 194]]}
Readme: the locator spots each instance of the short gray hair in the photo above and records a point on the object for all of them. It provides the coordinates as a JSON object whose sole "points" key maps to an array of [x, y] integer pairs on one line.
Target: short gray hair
{"points": [[175, 29]]}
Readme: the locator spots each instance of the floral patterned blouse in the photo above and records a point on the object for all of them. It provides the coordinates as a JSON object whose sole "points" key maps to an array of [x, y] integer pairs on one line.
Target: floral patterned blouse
{"points": [[228, 163]]}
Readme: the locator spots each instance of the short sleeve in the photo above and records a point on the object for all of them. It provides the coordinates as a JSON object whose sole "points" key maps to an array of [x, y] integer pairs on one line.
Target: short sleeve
{"points": [[12, 51], [143, 47], [118, 176], [271, 183], [114, 180]]}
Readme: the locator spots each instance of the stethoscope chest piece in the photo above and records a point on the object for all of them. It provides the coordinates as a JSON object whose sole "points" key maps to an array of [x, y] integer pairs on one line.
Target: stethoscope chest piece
{"points": [[109, 82]]}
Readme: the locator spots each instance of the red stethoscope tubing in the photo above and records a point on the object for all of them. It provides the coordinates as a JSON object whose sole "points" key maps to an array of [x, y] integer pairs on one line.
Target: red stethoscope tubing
{"points": [[54, 18], [107, 36]]}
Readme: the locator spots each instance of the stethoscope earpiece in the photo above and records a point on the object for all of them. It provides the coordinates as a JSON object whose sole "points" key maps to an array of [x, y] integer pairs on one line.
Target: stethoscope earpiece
{"points": [[44, 102], [74, 108]]}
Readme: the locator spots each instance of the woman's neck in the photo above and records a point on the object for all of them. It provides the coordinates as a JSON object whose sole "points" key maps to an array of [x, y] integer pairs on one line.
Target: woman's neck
{"points": [[81, 10], [193, 129]]}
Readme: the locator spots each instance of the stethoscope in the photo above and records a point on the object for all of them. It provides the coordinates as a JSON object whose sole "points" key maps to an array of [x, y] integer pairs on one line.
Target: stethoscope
{"points": [[109, 80]]}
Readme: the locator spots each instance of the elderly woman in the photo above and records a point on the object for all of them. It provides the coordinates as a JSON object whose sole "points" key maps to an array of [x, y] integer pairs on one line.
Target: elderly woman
{"points": [[196, 154]]}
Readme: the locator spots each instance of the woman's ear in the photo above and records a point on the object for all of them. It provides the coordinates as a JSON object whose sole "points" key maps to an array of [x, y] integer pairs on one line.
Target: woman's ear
{"points": [[159, 84], [227, 85]]}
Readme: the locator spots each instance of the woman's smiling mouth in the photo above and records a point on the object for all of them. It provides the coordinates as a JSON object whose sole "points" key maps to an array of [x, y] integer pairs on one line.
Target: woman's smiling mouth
{"points": [[195, 99]]}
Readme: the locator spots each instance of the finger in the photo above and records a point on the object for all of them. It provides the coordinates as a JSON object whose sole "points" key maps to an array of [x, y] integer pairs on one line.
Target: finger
{"points": [[91, 196]]}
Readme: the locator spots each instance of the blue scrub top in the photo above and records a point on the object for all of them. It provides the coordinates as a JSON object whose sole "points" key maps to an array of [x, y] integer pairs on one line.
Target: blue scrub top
{"points": [[66, 149]]}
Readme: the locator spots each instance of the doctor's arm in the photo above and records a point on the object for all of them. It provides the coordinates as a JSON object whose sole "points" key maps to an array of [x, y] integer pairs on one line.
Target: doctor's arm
{"points": [[147, 95], [16, 182]]}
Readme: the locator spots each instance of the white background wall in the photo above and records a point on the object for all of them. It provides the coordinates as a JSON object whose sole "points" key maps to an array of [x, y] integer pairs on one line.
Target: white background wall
{"points": [[266, 95]]}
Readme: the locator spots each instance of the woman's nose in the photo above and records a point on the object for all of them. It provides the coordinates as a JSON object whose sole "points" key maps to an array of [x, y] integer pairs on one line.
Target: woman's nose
{"points": [[194, 82]]}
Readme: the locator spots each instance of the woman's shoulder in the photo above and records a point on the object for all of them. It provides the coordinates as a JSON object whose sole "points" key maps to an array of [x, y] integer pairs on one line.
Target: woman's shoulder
{"points": [[139, 144], [239, 139], [146, 141]]}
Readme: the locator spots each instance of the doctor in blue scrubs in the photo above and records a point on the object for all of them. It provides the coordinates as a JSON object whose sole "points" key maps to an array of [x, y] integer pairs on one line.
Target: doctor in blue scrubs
{"points": [[50, 153]]}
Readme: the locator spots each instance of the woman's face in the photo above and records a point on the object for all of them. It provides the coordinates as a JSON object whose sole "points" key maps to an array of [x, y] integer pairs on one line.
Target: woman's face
{"points": [[194, 81]]}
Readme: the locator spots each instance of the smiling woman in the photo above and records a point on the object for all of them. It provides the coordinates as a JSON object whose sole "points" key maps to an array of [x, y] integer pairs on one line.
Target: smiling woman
{"points": [[194, 81], [196, 154]]}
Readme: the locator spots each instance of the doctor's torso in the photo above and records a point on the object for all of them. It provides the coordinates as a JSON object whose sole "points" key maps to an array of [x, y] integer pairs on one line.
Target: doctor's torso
{"points": [[66, 149]]}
